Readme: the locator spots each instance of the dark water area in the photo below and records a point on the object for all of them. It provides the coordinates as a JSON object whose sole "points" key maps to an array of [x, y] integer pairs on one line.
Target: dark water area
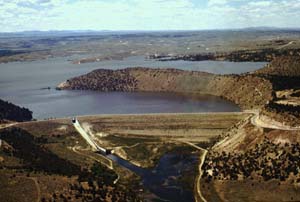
{"points": [[163, 180], [26, 84], [74, 103]]}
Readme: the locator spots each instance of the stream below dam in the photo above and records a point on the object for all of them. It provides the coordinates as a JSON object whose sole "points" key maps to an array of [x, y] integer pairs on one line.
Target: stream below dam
{"points": [[166, 179]]}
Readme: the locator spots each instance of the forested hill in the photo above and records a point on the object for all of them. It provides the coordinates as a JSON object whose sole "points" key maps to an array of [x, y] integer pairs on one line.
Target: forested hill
{"points": [[288, 66], [11, 112]]}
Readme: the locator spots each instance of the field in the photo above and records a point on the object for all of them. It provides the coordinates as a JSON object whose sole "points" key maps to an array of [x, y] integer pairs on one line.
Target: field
{"points": [[99, 46], [142, 139]]}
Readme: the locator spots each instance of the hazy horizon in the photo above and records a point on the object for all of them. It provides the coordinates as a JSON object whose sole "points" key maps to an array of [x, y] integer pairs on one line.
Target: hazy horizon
{"points": [[158, 30], [146, 15]]}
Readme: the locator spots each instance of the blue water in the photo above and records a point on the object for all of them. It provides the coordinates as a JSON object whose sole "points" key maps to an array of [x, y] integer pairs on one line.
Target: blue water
{"points": [[24, 83]]}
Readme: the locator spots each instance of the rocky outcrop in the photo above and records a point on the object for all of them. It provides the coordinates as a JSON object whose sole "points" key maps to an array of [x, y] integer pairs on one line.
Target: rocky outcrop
{"points": [[249, 91], [11, 112]]}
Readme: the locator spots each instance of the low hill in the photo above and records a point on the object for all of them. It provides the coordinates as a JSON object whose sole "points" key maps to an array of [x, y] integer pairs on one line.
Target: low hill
{"points": [[288, 66], [248, 91], [11, 112]]}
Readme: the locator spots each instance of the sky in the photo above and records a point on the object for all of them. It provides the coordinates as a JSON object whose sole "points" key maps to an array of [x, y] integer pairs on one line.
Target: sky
{"points": [[43, 15]]}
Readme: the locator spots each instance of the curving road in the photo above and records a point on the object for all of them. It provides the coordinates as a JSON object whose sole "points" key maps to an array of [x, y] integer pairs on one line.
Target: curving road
{"points": [[257, 121], [2, 126], [37, 188], [200, 176], [202, 159], [285, 45]]}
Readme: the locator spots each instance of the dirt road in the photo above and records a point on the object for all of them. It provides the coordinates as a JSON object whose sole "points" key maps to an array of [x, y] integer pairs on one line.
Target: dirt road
{"points": [[270, 124], [202, 159]]}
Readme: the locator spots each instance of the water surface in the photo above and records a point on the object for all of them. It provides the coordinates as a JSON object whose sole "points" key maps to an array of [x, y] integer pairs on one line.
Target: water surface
{"points": [[163, 180], [23, 83]]}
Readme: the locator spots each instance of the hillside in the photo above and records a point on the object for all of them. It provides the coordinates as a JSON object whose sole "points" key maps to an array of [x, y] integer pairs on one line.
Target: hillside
{"points": [[288, 66], [284, 74], [253, 164], [283, 113], [248, 91], [37, 164], [11, 112]]}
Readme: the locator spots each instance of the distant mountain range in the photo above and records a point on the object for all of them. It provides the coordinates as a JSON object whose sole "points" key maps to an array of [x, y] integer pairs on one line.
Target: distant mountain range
{"points": [[105, 32], [270, 28]]}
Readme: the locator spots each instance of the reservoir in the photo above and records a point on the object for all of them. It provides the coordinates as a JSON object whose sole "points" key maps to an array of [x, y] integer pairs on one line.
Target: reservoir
{"points": [[32, 85]]}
